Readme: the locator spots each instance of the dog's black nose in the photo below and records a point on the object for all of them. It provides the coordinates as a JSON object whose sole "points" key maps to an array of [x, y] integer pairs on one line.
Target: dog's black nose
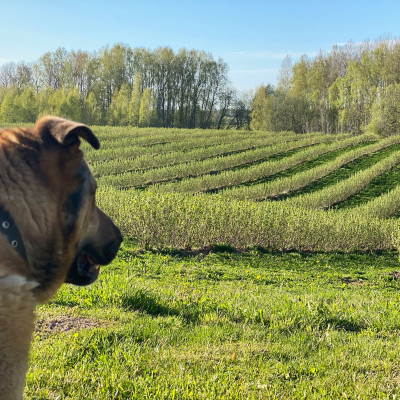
{"points": [[117, 234], [118, 237], [121, 237], [110, 250]]}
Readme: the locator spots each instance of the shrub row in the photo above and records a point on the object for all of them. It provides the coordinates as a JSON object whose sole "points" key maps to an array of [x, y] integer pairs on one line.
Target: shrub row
{"points": [[251, 148], [196, 222], [297, 181]]}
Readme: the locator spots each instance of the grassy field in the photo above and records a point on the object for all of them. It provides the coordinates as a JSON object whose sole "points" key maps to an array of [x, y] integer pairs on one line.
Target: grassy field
{"points": [[224, 326], [255, 266]]}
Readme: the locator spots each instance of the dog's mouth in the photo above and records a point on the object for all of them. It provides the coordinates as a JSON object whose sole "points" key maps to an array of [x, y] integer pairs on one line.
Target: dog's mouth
{"points": [[88, 266], [84, 270]]}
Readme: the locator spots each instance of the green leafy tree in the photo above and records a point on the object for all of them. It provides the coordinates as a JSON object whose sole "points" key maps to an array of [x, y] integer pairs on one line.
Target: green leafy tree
{"points": [[261, 112], [91, 111], [27, 106], [385, 119], [118, 112], [354, 95], [147, 111], [46, 102], [51, 101], [320, 81], [300, 94], [62, 102], [8, 109], [71, 106], [112, 71], [134, 104]]}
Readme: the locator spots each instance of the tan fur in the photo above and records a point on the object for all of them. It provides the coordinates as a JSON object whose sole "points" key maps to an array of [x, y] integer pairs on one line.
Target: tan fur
{"points": [[16, 326], [40, 171]]}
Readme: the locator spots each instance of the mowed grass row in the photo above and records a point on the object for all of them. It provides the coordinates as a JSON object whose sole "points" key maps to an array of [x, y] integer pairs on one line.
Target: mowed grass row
{"points": [[241, 151], [386, 205], [344, 189], [304, 179], [379, 186], [346, 171]]}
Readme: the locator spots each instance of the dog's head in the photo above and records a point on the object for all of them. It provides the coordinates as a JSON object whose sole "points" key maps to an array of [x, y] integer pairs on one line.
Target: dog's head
{"points": [[67, 237]]}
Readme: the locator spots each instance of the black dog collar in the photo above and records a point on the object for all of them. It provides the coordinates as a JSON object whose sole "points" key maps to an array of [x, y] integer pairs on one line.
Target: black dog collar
{"points": [[9, 229]]}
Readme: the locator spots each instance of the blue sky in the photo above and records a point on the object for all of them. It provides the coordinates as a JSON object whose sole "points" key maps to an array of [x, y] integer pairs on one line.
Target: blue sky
{"points": [[252, 36]]}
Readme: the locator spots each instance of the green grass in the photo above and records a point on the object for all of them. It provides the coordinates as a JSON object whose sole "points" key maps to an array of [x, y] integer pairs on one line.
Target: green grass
{"points": [[224, 325]]}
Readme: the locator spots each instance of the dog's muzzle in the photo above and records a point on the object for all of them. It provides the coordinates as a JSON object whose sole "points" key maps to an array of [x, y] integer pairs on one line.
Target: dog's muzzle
{"points": [[85, 268]]}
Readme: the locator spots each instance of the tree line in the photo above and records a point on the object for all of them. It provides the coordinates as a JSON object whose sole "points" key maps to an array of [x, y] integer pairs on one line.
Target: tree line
{"points": [[124, 86], [353, 88]]}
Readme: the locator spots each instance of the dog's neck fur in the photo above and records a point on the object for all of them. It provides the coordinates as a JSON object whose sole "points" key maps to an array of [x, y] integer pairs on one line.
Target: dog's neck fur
{"points": [[17, 323]]}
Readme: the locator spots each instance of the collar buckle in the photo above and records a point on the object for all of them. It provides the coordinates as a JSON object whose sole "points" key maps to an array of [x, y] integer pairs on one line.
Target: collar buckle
{"points": [[10, 230]]}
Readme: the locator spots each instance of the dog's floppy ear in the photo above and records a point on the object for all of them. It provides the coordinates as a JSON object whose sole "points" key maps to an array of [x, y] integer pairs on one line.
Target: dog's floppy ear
{"points": [[65, 132]]}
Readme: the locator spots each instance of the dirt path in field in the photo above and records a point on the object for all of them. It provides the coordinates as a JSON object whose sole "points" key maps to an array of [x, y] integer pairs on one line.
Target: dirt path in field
{"points": [[68, 323]]}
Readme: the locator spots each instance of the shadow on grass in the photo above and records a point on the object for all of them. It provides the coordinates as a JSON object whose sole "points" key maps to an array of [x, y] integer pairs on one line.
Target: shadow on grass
{"points": [[144, 302], [342, 324]]}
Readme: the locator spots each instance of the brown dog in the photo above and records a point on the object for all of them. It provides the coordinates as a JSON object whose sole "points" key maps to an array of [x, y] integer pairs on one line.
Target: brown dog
{"points": [[51, 231]]}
